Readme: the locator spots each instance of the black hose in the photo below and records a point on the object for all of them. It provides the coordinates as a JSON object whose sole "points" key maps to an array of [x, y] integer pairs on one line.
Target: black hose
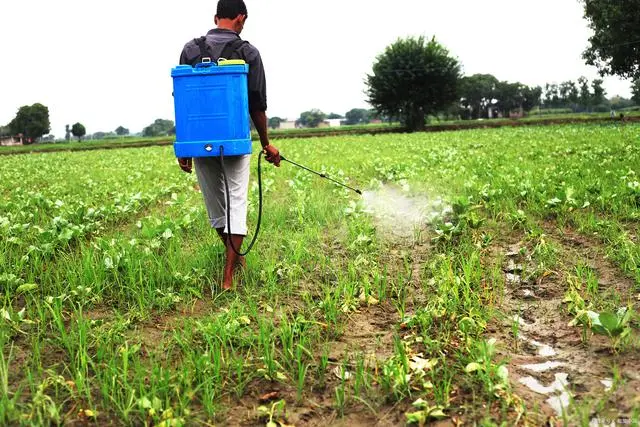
{"points": [[228, 206]]}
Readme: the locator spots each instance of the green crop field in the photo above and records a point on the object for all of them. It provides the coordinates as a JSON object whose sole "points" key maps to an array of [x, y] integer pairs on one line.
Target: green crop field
{"points": [[486, 276]]}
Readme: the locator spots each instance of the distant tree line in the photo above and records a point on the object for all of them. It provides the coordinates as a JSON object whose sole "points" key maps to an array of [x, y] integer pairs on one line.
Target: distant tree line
{"points": [[484, 96], [314, 117]]}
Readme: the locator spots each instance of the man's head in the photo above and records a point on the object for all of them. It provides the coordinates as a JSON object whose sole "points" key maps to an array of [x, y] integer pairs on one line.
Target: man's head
{"points": [[231, 15]]}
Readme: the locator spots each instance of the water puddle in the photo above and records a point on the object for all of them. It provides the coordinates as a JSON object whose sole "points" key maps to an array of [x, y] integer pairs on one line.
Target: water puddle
{"points": [[560, 398], [559, 384], [544, 350], [559, 403], [542, 367], [400, 213]]}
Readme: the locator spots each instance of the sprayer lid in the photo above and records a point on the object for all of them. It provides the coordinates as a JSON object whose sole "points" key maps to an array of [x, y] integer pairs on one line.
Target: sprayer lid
{"points": [[231, 62]]}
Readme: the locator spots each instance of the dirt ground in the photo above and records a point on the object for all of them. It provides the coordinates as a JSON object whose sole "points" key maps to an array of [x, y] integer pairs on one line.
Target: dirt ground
{"points": [[548, 362]]}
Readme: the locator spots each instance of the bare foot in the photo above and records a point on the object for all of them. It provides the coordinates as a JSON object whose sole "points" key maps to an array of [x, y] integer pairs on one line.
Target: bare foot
{"points": [[227, 281]]}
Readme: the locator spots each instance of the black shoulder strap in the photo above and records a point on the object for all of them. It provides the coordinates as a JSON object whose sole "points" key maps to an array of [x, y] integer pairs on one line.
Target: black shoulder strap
{"points": [[231, 47], [202, 44]]}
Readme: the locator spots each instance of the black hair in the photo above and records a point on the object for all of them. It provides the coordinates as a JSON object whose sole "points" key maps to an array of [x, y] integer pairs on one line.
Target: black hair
{"points": [[230, 9]]}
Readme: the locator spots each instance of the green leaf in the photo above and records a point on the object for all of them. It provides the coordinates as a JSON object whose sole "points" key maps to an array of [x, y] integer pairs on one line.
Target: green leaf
{"points": [[611, 323], [418, 417], [600, 330], [420, 403], [503, 373], [144, 403], [66, 234], [27, 287], [437, 413], [157, 404], [472, 367]]}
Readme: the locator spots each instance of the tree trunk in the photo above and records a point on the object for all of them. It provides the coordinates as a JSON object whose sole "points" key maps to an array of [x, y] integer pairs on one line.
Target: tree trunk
{"points": [[414, 119]]}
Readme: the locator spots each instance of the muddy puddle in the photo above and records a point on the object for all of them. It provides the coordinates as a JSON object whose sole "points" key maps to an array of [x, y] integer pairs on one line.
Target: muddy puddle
{"points": [[399, 213], [550, 367]]}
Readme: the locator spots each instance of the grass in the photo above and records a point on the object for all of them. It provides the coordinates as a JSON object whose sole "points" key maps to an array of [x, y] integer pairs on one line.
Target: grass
{"points": [[111, 311]]}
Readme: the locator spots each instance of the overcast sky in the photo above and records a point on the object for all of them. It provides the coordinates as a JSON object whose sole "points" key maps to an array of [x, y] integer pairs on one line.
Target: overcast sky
{"points": [[108, 63]]}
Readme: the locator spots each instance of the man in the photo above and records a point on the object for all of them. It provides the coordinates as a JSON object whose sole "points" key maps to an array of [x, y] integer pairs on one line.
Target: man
{"points": [[230, 19]]}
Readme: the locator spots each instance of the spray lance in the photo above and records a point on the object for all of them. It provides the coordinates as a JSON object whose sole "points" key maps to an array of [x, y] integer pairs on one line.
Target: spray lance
{"points": [[260, 196]]}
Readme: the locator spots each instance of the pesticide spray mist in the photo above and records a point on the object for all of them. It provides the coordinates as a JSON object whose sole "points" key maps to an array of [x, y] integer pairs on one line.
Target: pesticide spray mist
{"points": [[401, 214]]}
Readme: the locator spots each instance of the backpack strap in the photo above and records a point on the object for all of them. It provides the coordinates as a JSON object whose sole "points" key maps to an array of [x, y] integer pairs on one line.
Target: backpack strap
{"points": [[202, 44], [232, 47]]}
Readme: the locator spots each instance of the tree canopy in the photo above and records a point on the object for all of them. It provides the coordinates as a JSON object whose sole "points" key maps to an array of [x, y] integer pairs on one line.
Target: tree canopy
{"points": [[160, 127], [477, 93], [615, 44], [578, 96], [311, 118], [32, 122], [357, 116], [122, 131], [274, 122], [412, 79], [79, 131]]}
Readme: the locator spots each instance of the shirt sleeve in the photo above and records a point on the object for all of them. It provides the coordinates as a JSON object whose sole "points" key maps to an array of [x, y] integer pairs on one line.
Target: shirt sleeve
{"points": [[257, 83], [188, 54], [183, 57]]}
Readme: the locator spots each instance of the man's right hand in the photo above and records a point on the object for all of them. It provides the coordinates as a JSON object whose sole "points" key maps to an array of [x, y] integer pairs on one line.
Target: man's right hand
{"points": [[186, 164]]}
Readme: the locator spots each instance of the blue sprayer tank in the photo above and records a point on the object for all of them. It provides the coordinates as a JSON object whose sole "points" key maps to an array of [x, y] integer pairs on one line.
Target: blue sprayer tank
{"points": [[212, 109]]}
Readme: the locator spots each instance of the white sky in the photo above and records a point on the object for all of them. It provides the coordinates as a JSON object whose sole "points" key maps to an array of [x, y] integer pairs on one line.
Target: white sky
{"points": [[107, 63]]}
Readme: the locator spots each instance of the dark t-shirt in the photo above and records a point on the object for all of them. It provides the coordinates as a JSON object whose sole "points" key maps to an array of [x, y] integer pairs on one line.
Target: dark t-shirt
{"points": [[216, 39]]}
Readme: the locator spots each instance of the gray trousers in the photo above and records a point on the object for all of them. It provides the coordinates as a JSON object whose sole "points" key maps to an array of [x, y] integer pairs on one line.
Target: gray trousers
{"points": [[209, 173]]}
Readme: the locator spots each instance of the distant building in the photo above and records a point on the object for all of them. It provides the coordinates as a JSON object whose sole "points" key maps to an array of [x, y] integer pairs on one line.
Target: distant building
{"points": [[11, 140], [289, 124], [332, 123]]}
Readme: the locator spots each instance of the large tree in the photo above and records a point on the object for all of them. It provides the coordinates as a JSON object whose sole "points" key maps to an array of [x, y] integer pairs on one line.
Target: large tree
{"points": [[585, 93], [517, 97], [357, 116], [412, 79], [615, 43], [599, 93], [274, 122], [122, 131], [79, 131], [32, 121], [159, 128], [477, 93], [311, 118]]}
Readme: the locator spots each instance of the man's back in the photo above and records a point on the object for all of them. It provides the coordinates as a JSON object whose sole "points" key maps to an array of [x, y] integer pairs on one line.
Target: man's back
{"points": [[216, 41]]}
